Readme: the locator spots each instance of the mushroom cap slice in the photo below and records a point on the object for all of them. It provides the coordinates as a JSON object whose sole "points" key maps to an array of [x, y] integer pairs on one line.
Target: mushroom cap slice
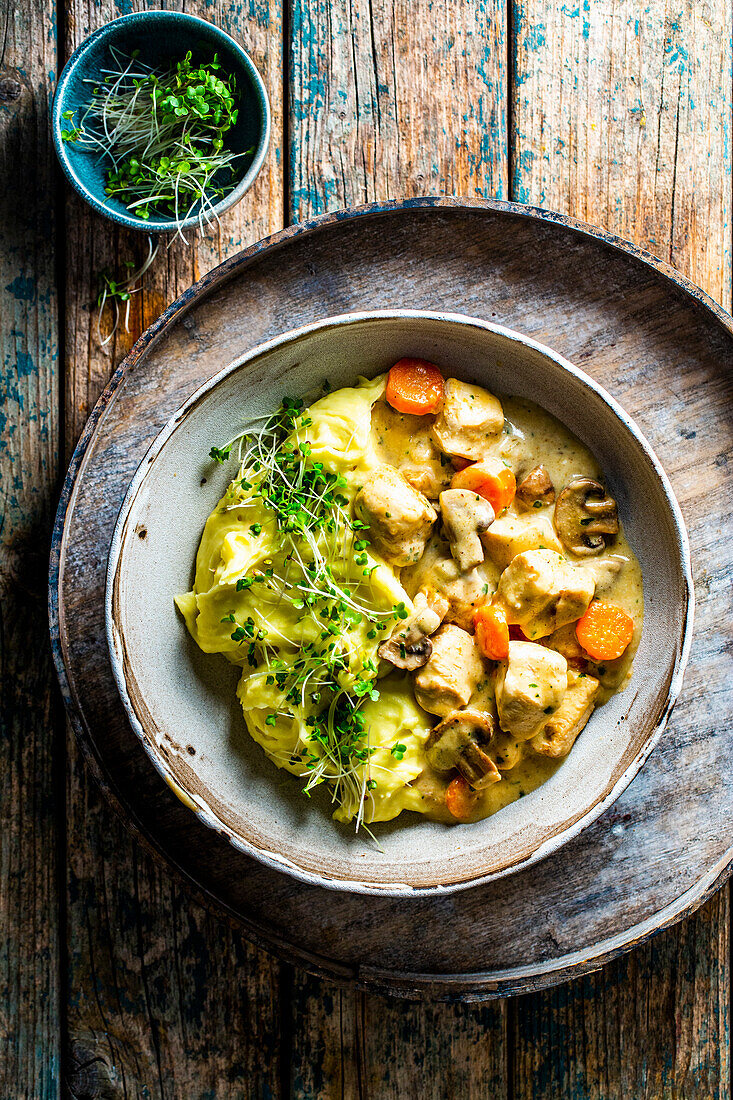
{"points": [[536, 486], [584, 516], [408, 650], [466, 516], [409, 646], [460, 741]]}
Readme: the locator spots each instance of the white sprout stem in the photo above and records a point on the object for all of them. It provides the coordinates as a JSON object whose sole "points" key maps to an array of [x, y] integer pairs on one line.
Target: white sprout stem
{"points": [[122, 121]]}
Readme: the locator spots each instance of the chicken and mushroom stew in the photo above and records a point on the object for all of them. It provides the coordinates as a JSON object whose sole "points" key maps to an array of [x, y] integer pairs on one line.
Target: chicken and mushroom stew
{"points": [[428, 591]]}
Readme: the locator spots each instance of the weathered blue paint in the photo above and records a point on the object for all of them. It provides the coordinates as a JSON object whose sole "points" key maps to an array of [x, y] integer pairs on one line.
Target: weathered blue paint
{"points": [[676, 55], [309, 88], [25, 364], [23, 287], [534, 39]]}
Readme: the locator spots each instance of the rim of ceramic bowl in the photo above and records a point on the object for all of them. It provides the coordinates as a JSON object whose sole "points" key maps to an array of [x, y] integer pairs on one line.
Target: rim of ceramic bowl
{"points": [[161, 225], [116, 644]]}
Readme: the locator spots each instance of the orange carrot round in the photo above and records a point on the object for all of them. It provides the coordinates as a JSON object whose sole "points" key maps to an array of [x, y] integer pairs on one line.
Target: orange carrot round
{"points": [[492, 632], [490, 479], [604, 631], [415, 386], [460, 798]]}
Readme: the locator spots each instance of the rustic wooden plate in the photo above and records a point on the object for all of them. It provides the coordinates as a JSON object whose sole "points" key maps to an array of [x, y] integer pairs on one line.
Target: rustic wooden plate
{"points": [[665, 351], [183, 708]]}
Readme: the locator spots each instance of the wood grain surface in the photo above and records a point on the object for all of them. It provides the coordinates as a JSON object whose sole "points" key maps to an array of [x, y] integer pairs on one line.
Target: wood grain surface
{"points": [[616, 111], [163, 1001], [622, 117], [31, 823], [392, 100]]}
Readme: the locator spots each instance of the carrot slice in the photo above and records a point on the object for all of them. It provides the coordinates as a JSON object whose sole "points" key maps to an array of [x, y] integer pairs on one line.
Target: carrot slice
{"points": [[460, 798], [490, 479], [415, 386], [604, 631], [492, 632]]}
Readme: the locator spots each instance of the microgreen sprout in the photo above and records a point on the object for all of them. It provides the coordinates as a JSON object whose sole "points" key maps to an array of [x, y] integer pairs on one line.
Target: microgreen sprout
{"points": [[161, 133], [330, 679], [117, 292], [221, 454]]}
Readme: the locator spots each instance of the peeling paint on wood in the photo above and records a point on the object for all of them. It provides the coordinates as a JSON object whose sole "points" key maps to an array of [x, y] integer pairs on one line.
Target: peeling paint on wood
{"points": [[30, 812], [622, 117], [390, 100]]}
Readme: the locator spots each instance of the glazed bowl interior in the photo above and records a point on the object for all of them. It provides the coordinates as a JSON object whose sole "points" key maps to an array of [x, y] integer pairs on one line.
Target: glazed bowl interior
{"points": [[182, 702]]}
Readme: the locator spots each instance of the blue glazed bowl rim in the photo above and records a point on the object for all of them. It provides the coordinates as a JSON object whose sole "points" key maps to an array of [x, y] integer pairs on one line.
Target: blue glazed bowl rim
{"points": [[160, 225]]}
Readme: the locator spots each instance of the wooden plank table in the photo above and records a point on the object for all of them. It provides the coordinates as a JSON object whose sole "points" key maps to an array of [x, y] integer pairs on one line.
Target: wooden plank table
{"points": [[113, 983]]}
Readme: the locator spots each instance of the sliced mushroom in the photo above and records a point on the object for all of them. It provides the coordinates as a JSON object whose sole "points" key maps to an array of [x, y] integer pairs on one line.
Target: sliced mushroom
{"points": [[410, 647], [584, 516], [460, 741], [409, 650], [466, 516], [536, 488]]}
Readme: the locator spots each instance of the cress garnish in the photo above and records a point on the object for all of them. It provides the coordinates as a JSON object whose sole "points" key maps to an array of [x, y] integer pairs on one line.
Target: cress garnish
{"points": [[162, 134], [327, 679]]}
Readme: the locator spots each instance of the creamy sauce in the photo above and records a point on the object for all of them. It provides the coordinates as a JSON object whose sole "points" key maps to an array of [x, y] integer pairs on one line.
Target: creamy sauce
{"points": [[242, 604], [531, 436], [405, 442]]}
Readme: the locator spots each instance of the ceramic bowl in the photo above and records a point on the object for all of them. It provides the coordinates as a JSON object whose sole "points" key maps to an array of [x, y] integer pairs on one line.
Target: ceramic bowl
{"points": [[160, 36], [181, 702]]}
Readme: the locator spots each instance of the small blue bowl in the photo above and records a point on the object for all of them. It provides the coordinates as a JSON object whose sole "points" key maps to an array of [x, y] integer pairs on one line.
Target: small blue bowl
{"points": [[161, 37]]}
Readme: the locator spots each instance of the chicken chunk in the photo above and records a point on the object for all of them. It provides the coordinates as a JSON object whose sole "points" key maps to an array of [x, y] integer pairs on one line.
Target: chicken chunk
{"points": [[541, 591], [406, 442], [438, 574], [466, 516], [469, 420], [605, 571], [560, 732], [512, 535], [400, 518], [565, 641], [449, 679], [529, 686]]}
